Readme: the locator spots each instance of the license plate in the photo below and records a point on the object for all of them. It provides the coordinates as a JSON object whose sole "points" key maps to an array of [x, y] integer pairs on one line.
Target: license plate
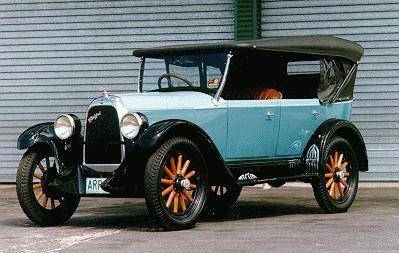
{"points": [[93, 186]]}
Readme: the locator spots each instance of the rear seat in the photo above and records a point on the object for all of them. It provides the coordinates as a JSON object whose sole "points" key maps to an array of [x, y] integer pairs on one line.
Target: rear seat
{"points": [[268, 93], [257, 93]]}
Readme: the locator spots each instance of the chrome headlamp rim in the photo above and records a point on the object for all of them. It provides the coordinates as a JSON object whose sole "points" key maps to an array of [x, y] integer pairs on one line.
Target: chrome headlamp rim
{"points": [[71, 122], [139, 126]]}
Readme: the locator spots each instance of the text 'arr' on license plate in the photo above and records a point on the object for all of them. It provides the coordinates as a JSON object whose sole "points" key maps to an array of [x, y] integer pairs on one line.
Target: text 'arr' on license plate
{"points": [[93, 186]]}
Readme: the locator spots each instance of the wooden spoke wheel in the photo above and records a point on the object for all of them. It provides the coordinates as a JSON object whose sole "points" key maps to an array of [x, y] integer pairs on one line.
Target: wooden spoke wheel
{"points": [[175, 183], [337, 174], [40, 181], [38, 194], [336, 189], [178, 180]]}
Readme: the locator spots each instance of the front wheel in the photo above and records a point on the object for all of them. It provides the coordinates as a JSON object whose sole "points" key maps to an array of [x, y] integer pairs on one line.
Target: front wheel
{"points": [[38, 196], [336, 188], [175, 184]]}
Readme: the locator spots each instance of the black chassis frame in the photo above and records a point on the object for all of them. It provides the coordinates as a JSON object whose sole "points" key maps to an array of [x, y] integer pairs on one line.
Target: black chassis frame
{"points": [[128, 179]]}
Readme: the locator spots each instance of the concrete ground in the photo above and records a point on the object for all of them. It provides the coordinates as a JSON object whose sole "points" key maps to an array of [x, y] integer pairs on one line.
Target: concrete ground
{"points": [[286, 219]]}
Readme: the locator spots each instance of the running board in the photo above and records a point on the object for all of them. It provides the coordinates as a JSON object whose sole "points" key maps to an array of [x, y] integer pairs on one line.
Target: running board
{"points": [[252, 182]]}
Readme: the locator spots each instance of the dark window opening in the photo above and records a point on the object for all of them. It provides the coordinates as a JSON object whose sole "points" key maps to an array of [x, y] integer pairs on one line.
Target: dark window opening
{"points": [[271, 76], [303, 79], [251, 74]]}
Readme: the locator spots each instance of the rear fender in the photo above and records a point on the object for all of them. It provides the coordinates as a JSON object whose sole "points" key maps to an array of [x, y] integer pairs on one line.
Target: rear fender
{"points": [[314, 151]]}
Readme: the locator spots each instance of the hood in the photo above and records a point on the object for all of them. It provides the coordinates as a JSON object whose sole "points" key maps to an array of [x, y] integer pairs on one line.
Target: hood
{"points": [[148, 101]]}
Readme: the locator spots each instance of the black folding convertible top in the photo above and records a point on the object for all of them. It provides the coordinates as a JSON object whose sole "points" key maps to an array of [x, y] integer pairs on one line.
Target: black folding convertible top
{"points": [[314, 45]]}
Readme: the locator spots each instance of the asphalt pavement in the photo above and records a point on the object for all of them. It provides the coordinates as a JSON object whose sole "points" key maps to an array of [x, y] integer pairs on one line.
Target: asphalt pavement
{"points": [[286, 219]]}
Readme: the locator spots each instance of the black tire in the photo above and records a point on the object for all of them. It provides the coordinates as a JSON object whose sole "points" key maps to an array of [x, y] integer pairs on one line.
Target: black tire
{"points": [[61, 207], [222, 197], [330, 192], [156, 183]]}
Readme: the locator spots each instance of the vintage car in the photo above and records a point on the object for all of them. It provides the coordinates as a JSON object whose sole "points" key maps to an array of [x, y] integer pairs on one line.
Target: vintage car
{"points": [[206, 120]]}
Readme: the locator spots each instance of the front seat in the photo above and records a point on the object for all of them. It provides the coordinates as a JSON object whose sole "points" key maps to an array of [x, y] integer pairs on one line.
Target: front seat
{"points": [[268, 93]]}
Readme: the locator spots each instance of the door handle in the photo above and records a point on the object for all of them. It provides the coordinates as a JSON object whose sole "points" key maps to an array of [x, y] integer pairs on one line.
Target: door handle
{"points": [[316, 113], [270, 114]]}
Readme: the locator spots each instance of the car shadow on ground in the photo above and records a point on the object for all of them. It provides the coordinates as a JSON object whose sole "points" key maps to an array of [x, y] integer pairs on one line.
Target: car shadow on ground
{"points": [[136, 217]]}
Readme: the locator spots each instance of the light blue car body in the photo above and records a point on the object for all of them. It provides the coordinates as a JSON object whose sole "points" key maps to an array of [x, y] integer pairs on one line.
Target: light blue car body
{"points": [[242, 129]]}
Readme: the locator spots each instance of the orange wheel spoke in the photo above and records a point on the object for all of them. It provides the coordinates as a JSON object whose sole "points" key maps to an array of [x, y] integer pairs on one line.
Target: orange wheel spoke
{"points": [[216, 188], [346, 174], [341, 190], [332, 161], [179, 161], [36, 175], [168, 173], [329, 167], [343, 182], [45, 201], [38, 185], [166, 181], [329, 182], [336, 191], [328, 175], [41, 167], [171, 196], [52, 204], [185, 167], [187, 194], [332, 189], [341, 156], [343, 166], [192, 173], [336, 159], [39, 195], [167, 190], [193, 186], [176, 203], [182, 203], [173, 166]]}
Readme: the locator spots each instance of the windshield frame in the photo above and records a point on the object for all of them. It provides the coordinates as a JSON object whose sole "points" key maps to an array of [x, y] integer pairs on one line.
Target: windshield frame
{"points": [[217, 93]]}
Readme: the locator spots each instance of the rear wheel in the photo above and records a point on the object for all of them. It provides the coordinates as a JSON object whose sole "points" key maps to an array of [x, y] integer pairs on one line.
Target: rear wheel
{"points": [[175, 184], [37, 192], [336, 189]]}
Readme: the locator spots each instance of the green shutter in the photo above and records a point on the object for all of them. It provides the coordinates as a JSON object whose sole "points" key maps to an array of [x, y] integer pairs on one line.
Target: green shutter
{"points": [[247, 19]]}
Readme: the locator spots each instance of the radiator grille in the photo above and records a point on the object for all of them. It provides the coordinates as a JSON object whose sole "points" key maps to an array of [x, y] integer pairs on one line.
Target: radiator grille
{"points": [[103, 140]]}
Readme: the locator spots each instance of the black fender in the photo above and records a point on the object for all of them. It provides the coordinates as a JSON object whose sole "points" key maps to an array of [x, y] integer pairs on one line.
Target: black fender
{"points": [[153, 137], [312, 156], [40, 133], [68, 152]]}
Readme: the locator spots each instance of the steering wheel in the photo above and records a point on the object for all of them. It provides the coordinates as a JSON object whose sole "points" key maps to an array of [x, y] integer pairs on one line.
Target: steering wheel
{"points": [[176, 76]]}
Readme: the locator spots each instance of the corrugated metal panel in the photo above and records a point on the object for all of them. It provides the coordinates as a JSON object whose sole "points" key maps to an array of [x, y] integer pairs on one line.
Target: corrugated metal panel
{"points": [[55, 56], [375, 25]]}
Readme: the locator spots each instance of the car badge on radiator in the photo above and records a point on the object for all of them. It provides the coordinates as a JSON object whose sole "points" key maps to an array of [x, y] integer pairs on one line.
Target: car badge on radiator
{"points": [[94, 117]]}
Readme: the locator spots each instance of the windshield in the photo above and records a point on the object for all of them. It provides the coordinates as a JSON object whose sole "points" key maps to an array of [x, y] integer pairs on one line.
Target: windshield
{"points": [[184, 72]]}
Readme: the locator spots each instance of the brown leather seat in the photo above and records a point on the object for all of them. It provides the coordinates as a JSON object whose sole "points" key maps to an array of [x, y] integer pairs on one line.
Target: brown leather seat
{"points": [[257, 93], [268, 93]]}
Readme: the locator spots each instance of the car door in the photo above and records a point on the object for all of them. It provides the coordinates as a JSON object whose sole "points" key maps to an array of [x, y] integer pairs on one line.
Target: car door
{"points": [[298, 121], [253, 127]]}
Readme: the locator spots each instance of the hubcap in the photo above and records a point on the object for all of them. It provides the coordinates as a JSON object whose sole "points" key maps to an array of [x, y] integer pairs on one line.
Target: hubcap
{"points": [[179, 190], [337, 175]]}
